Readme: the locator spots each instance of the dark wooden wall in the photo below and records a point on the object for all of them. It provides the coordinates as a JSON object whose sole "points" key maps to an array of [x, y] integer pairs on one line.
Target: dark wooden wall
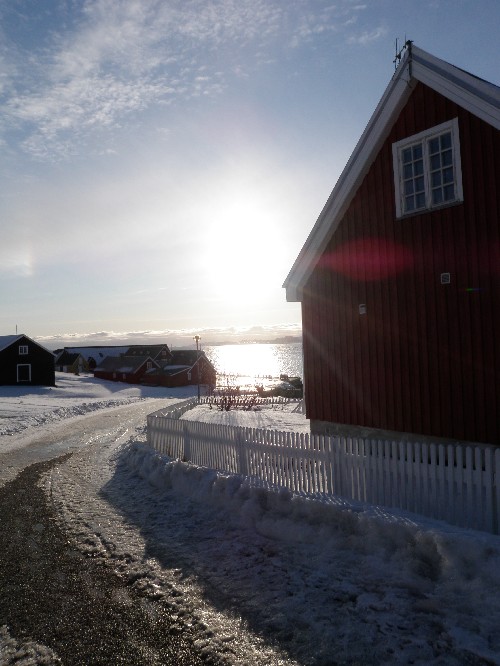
{"points": [[40, 359], [425, 357]]}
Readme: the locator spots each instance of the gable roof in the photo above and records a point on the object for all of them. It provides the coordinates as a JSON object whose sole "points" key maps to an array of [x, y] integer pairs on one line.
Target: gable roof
{"points": [[124, 364], [146, 350], [187, 357], [468, 91], [67, 358], [97, 353], [8, 340]]}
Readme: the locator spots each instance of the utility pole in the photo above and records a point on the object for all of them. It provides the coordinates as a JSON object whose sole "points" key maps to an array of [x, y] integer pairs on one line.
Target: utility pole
{"points": [[197, 339]]}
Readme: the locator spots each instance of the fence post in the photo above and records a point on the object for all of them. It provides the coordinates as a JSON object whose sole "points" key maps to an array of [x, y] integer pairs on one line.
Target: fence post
{"points": [[149, 429], [242, 452], [187, 442]]}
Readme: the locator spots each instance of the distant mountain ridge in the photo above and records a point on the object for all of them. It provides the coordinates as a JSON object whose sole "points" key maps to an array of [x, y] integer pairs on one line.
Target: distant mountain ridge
{"points": [[284, 340]]}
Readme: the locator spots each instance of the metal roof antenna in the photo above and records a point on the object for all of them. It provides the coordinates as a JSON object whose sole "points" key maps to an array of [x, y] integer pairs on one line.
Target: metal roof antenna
{"points": [[399, 54]]}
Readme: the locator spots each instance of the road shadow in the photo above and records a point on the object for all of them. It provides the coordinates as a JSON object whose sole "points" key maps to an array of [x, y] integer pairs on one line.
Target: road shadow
{"points": [[313, 579], [243, 574]]}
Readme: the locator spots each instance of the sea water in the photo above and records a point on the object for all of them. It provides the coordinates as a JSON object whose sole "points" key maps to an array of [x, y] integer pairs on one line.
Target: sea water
{"points": [[255, 363]]}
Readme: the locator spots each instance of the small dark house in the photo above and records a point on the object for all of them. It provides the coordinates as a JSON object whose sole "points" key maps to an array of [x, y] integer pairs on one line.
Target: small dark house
{"points": [[24, 362], [399, 279], [71, 362]]}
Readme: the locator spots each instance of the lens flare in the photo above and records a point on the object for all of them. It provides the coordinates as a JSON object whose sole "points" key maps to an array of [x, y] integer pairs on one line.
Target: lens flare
{"points": [[369, 259]]}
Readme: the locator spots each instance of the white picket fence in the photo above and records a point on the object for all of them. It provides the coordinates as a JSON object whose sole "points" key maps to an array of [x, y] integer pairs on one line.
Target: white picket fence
{"points": [[457, 483]]}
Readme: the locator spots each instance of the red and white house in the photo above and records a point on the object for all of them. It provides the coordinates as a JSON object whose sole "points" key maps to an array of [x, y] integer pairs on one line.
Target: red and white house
{"points": [[399, 279]]}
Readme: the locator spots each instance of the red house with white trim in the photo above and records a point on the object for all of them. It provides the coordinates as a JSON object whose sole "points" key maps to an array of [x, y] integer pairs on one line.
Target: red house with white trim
{"points": [[399, 279]]}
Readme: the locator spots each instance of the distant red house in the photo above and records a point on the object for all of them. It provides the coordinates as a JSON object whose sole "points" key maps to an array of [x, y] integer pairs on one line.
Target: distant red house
{"points": [[399, 279], [95, 354], [160, 353], [186, 367], [130, 369]]}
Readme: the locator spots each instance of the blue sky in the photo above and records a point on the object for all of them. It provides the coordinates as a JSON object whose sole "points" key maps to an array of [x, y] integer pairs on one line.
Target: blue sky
{"points": [[164, 160]]}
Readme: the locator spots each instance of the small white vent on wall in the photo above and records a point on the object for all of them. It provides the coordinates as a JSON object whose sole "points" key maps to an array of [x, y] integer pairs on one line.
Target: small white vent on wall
{"points": [[445, 278], [362, 308]]}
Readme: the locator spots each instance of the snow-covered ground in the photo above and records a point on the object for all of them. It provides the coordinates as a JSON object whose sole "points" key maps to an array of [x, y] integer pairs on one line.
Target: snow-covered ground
{"points": [[259, 577], [287, 417], [22, 408]]}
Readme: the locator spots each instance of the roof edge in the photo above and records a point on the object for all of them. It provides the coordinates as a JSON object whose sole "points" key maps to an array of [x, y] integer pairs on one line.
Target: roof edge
{"points": [[391, 102], [480, 97]]}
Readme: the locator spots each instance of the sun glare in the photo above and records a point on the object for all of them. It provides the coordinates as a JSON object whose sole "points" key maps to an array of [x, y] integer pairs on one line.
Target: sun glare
{"points": [[251, 363], [241, 250]]}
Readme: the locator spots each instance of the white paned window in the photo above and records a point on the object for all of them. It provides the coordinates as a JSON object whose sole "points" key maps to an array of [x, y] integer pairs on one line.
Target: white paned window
{"points": [[427, 170], [23, 349]]}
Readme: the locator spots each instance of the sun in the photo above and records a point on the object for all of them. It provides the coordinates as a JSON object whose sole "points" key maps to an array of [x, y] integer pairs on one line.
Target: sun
{"points": [[241, 250]]}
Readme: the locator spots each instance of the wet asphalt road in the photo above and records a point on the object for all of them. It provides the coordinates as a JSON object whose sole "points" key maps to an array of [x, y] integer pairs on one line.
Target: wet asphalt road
{"points": [[76, 609], [54, 595]]}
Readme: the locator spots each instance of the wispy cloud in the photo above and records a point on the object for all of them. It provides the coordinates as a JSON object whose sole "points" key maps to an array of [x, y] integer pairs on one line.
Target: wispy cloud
{"points": [[368, 36], [121, 57], [115, 58]]}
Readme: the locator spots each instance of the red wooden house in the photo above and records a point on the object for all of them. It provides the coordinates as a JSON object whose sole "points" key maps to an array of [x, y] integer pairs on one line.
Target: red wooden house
{"points": [[399, 279], [186, 367], [130, 369]]}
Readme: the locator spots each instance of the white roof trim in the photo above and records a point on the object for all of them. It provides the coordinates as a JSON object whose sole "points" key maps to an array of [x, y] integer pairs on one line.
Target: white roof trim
{"points": [[470, 92], [475, 95]]}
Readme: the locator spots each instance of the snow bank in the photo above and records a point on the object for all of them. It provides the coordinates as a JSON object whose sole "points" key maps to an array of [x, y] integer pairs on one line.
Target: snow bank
{"points": [[74, 395], [426, 548], [428, 588]]}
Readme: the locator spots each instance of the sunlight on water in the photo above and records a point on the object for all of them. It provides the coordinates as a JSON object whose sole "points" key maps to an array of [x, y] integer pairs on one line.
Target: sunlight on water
{"points": [[257, 360]]}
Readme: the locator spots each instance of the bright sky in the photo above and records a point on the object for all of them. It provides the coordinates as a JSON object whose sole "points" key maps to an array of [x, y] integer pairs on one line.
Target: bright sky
{"points": [[164, 160]]}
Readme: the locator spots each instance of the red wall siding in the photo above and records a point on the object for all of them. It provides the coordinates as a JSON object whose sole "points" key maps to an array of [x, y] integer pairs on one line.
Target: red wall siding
{"points": [[424, 358]]}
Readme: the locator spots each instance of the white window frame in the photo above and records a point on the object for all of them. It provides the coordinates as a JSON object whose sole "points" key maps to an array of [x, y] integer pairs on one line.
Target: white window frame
{"points": [[424, 138], [23, 365], [23, 350]]}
